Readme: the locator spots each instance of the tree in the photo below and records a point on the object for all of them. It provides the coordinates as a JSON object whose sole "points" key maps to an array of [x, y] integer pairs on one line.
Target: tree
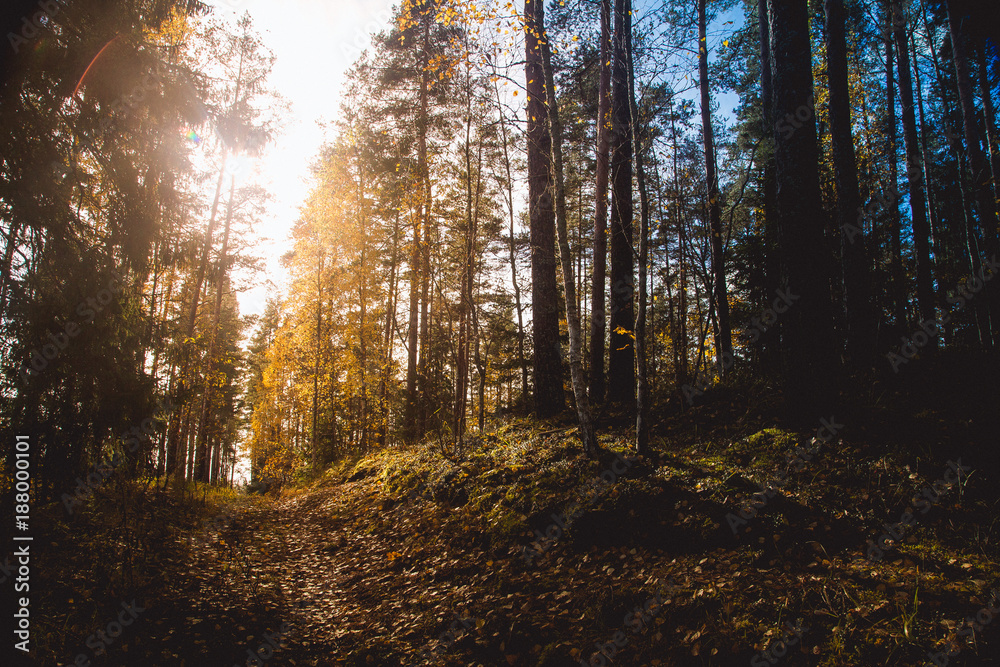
{"points": [[724, 342], [808, 345], [597, 317], [773, 262], [569, 286], [418, 57], [642, 395], [897, 277], [548, 395], [977, 163], [918, 200], [856, 278], [621, 356], [506, 182]]}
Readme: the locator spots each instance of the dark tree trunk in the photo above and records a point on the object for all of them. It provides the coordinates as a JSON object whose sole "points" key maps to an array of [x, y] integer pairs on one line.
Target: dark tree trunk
{"points": [[316, 357], [918, 201], [860, 325], [430, 233], [621, 357], [549, 398], [410, 410], [12, 235], [566, 259], [772, 273], [918, 90], [412, 423], [808, 341], [202, 470], [597, 315], [387, 338], [724, 341], [682, 306], [977, 162], [990, 118], [642, 385], [967, 232], [895, 243]]}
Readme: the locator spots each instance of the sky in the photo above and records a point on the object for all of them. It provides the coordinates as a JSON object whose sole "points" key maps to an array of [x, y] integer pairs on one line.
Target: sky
{"points": [[315, 42]]}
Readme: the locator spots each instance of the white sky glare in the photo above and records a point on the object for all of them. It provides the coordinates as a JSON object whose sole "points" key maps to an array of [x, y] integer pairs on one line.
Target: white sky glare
{"points": [[315, 42]]}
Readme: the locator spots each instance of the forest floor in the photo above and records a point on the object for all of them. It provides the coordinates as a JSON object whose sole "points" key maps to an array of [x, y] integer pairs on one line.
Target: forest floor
{"points": [[410, 557]]}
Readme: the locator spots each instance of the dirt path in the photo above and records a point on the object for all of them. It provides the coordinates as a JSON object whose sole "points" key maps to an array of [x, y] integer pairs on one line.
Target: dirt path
{"points": [[369, 580], [356, 577], [362, 578]]}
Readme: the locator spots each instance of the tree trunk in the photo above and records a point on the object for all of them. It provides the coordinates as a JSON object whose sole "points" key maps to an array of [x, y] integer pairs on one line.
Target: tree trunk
{"points": [[203, 263], [597, 314], [621, 357], [860, 327], [362, 217], [316, 462], [201, 470], [682, 307], [918, 201], [176, 429], [425, 249], [724, 341], [512, 249], [925, 154], [772, 274], [12, 234], [895, 244], [569, 287], [387, 338], [642, 397], [968, 231], [410, 410], [411, 432], [810, 350], [990, 121], [548, 395], [977, 162]]}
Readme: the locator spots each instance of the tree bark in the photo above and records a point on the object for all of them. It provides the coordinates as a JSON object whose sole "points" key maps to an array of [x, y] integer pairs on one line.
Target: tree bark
{"points": [[977, 163], [387, 338], [724, 342], [898, 290], [860, 327], [425, 248], [642, 397], [809, 347], [621, 357], [682, 308], [990, 121], [319, 334], [597, 315], [548, 395], [925, 153], [772, 274], [918, 200], [569, 287], [968, 231], [202, 471], [411, 431]]}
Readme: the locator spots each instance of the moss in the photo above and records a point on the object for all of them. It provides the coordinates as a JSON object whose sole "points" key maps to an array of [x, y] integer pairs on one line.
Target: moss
{"points": [[765, 447]]}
